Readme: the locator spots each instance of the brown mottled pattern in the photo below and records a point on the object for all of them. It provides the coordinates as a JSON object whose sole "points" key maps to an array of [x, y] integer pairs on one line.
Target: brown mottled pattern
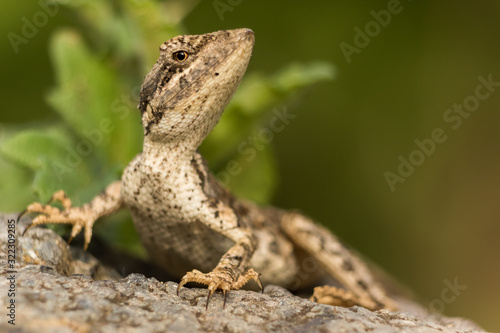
{"points": [[186, 219]]}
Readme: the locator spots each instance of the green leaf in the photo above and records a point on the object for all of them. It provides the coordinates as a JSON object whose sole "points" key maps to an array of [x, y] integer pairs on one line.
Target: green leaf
{"points": [[258, 93], [13, 179], [85, 83], [251, 105], [297, 75], [154, 24], [95, 100], [50, 177], [251, 175], [105, 20], [132, 29], [56, 161], [31, 148], [254, 100]]}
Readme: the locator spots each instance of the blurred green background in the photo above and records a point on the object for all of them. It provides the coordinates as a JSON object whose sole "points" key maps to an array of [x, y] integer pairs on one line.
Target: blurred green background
{"points": [[440, 224]]}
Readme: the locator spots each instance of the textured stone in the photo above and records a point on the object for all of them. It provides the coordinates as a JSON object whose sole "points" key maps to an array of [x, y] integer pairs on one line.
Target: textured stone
{"points": [[51, 298]]}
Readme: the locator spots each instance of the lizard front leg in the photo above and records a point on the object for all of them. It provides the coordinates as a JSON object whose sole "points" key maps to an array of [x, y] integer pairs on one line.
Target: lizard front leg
{"points": [[232, 271], [82, 217]]}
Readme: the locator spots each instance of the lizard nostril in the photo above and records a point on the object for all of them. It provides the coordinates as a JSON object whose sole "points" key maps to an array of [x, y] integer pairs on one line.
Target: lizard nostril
{"points": [[247, 34]]}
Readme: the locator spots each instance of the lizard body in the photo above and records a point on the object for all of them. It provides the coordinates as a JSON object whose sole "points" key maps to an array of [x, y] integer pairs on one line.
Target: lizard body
{"points": [[187, 221]]}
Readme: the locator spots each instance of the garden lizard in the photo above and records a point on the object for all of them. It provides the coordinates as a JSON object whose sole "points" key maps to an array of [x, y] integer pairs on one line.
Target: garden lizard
{"points": [[186, 219]]}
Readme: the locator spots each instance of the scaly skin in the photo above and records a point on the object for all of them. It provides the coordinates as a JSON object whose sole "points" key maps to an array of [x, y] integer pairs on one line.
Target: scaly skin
{"points": [[187, 221]]}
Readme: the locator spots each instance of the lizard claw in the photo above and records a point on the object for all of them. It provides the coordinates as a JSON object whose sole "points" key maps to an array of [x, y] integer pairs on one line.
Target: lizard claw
{"points": [[21, 214], [226, 292], [76, 216], [208, 298], [220, 279]]}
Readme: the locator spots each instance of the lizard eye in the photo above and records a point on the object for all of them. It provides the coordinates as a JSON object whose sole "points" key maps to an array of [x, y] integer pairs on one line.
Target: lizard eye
{"points": [[180, 55]]}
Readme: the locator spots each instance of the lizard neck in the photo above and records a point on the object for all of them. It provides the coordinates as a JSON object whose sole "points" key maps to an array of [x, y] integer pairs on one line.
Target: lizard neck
{"points": [[168, 151]]}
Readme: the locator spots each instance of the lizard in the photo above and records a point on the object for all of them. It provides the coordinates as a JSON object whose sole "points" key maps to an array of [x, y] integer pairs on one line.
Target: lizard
{"points": [[188, 222]]}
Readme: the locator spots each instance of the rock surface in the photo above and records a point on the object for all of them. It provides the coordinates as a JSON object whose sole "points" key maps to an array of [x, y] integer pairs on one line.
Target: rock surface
{"points": [[54, 292]]}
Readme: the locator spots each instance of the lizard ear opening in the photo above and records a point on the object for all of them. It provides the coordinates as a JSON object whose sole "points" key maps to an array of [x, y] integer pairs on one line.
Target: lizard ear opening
{"points": [[149, 112]]}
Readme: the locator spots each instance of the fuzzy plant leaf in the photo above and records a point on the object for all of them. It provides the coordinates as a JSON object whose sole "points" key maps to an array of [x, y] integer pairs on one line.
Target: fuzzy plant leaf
{"points": [[254, 100], [242, 139], [30, 148], [12, 179], [252, 174], [155, 22], [131, 29], [46, 154], [85, 85], [94, 99]]}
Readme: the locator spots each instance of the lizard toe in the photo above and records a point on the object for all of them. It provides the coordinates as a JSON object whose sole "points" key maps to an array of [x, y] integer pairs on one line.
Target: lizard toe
{"points": [[219, 280]]}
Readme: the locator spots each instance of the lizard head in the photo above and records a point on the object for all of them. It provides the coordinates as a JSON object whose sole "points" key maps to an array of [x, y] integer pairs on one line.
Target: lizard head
{"points": [[185, 93]]}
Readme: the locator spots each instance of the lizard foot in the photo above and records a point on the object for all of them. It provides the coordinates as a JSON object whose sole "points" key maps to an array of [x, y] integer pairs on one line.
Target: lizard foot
{"points": [[79, 217], [331, 295], [220, 279], [334, 296]]}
